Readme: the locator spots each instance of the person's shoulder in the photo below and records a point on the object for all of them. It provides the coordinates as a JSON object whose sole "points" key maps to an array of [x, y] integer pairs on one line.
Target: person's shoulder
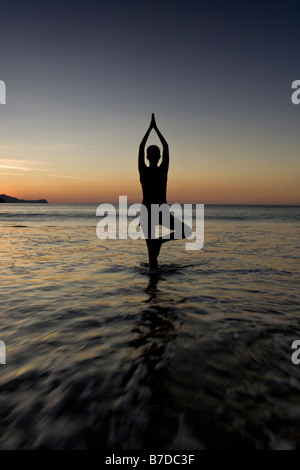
{"points": [[163, 168], [143, 171]]}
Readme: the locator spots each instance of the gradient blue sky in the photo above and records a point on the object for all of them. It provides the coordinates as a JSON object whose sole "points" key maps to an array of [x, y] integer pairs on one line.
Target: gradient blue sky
{"points": [[83, 78]]}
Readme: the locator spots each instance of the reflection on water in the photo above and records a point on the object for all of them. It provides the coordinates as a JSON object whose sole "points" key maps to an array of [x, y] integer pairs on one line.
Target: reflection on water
{"points": [[144, 392], [102, 354]]}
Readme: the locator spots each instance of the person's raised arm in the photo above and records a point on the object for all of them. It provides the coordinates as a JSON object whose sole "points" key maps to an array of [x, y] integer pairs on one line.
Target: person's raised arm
{"points": [[142, 164], [165, 155]]}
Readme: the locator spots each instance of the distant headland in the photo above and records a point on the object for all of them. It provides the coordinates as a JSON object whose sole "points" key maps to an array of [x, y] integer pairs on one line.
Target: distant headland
{"points": [[9, 199]]}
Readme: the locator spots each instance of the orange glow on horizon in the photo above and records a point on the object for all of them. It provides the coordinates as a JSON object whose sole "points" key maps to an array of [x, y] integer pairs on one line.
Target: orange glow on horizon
{"points": [[203, 192]]}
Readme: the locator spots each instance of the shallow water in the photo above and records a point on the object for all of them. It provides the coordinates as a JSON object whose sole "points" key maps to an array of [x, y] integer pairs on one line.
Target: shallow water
{"points": [[103, 354]]}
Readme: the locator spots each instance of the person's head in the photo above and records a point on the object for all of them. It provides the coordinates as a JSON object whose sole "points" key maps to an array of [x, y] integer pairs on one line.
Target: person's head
{"points": [[153, 155]]}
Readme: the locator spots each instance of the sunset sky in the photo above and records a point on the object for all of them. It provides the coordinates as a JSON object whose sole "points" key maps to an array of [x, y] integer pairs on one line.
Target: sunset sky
{"points": [[83, 77]]}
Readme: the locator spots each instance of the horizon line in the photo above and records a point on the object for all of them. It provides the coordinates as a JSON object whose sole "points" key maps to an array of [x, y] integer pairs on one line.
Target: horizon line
{"points": [[193, 203]]}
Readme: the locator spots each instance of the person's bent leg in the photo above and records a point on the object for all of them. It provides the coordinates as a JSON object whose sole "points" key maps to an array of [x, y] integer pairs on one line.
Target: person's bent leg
{"points": [[180, 230]]}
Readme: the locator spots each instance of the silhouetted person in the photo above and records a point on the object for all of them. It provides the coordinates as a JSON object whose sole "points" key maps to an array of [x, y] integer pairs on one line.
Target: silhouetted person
{"points": [[154, 185]]}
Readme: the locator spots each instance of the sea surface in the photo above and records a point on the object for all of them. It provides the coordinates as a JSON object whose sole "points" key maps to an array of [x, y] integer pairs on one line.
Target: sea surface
{"points": [[103, 354]]}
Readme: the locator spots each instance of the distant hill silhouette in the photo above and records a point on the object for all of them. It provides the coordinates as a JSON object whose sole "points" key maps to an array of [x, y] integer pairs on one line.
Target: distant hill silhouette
{"points": [[10, 199]]}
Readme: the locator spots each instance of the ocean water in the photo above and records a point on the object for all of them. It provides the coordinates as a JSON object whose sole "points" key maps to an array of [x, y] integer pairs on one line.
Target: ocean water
{"points": [[102, 354]]}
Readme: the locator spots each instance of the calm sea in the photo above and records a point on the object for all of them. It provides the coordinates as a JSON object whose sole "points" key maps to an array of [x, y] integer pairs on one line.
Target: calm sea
{"points": [[102, 354]]}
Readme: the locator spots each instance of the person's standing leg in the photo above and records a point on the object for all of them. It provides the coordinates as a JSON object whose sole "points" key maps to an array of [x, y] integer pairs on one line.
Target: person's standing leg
{"points": [[153, 244]]}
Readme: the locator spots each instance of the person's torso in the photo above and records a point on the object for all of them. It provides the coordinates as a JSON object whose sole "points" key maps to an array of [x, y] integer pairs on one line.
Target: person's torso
{"points": [[154, 185]]}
